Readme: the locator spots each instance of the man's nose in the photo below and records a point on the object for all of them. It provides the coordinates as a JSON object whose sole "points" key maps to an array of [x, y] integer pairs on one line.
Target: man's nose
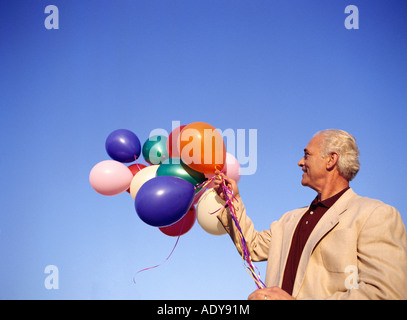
{"points": [[301, 162]]}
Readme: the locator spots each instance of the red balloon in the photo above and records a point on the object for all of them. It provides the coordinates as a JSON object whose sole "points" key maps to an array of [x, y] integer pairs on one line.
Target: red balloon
{"points": [[182, 226], [134, 168], [173, 142]]}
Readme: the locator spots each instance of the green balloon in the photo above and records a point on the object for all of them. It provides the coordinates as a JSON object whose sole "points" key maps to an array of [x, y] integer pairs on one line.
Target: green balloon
{"points": [[155, 150], [176, 168]]}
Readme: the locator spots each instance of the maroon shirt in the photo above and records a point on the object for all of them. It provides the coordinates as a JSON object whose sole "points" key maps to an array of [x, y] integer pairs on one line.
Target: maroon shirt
{"points": [[304, 228]]}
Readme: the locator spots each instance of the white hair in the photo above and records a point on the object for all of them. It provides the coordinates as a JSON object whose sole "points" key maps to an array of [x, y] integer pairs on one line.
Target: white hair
{"points": [[344, 144]]}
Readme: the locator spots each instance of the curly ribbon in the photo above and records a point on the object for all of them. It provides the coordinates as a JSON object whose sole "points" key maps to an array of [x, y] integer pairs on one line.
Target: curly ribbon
{"points": [[229, 197], [166, 259]]}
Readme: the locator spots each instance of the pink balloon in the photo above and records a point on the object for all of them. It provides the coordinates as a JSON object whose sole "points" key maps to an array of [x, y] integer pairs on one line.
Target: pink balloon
{"points": [[110, 177], [231, 169]]}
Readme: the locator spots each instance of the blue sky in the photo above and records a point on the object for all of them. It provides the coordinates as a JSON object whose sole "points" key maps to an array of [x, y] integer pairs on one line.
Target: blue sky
{"points": [[284, 68]]}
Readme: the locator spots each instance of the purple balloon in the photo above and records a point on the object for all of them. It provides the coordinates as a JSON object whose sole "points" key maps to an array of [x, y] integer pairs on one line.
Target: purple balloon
{"points": [[123, 145], [164, 200]]}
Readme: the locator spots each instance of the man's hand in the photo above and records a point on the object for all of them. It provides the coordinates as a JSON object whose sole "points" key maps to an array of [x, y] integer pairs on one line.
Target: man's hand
{"points": [[272, 293], [230, 184]]}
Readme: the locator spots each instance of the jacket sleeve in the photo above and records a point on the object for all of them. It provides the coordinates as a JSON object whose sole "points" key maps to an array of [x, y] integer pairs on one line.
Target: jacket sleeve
{"points": [[382, 258], [257, 242]]}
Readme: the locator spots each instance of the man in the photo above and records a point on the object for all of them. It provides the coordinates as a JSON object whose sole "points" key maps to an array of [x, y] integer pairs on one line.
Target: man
{"points": [[343, 246]]}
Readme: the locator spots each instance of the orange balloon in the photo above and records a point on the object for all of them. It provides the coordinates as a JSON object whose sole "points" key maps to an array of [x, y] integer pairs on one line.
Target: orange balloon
{"points": [[202, 147]]}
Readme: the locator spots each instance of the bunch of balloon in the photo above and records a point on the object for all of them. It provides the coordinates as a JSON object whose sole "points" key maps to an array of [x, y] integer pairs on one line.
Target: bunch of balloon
{"points": [[175, 178]]}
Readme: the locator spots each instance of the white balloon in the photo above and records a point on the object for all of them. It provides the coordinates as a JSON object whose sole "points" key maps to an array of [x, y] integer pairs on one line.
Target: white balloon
{"points": [[208, 203], [141, 177]]}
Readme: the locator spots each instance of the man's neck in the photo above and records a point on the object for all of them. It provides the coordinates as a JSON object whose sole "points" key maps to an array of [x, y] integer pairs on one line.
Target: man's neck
{"points": [[332, 189]]}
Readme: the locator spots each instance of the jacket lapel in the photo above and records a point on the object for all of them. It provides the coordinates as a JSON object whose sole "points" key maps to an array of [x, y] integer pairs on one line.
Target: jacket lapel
{"points": [[328, 221]]}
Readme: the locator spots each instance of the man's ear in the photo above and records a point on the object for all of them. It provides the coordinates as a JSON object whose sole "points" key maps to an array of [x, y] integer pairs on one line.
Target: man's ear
{"points": [[333, 158]]}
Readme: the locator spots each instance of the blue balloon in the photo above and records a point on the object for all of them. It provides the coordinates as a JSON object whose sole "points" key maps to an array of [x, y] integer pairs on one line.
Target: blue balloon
{"points": [[123, 145], [164, 200]]}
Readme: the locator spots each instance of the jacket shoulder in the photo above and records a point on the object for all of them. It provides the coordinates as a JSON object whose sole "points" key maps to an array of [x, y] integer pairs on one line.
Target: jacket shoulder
{"points": [[368, 204], [368, 209]]}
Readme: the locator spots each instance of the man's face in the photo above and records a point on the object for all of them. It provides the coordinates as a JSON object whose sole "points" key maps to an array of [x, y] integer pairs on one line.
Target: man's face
{"points": [[313, 165]]}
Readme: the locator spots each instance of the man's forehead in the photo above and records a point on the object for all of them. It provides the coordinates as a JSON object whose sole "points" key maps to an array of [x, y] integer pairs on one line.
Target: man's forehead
{"points": [[314, 143]]}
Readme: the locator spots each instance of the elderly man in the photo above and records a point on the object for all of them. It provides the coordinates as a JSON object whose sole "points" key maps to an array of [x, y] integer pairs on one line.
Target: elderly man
{"points": [[342, 246]]}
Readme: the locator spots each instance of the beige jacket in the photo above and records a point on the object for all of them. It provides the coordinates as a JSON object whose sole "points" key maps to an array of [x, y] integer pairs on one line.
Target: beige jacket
{"points": [[358, 250]]}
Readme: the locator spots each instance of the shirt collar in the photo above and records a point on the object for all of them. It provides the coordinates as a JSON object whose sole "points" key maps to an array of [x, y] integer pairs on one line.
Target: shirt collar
{"points": [[327, 203]]}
